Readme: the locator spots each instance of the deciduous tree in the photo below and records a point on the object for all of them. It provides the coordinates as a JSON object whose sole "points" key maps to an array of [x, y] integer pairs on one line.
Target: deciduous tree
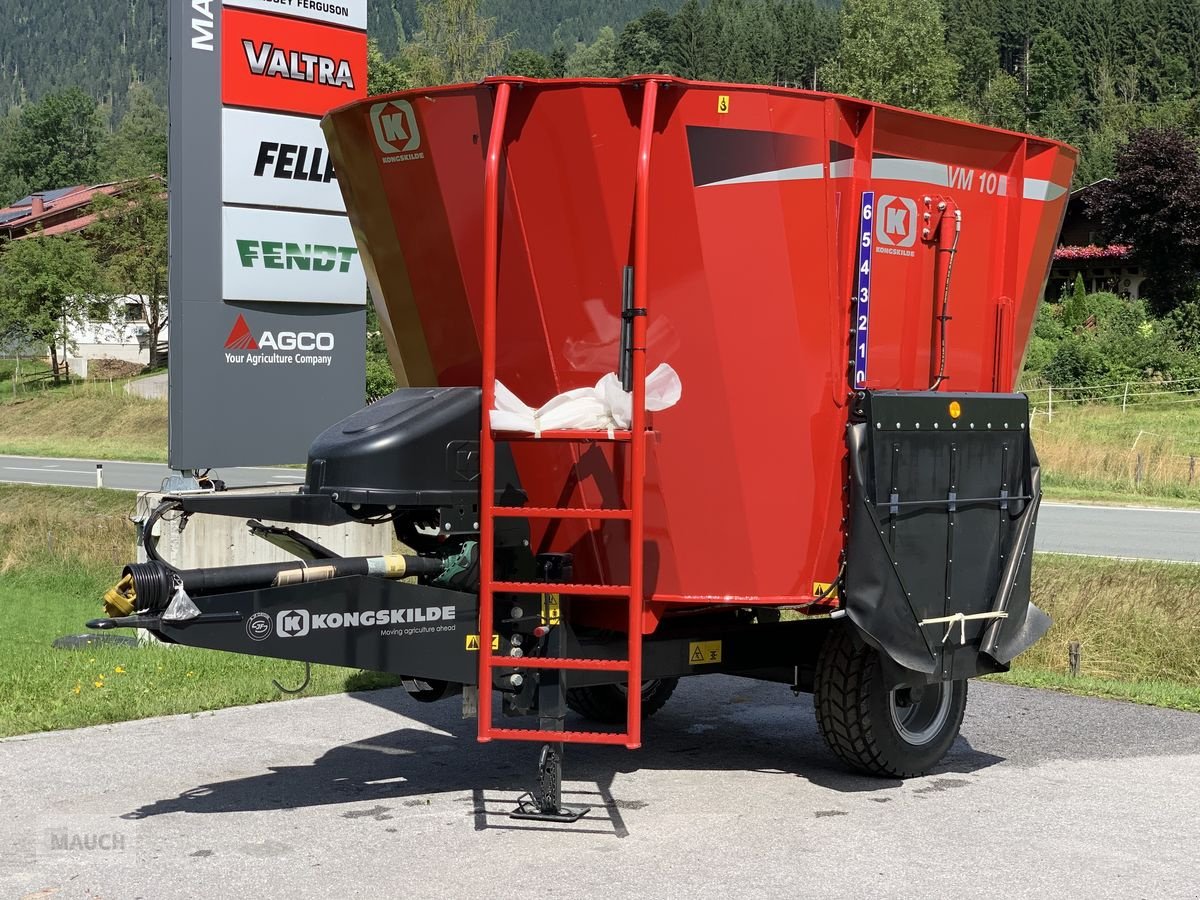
{"points": [[130, 241], [894, 51], [55, 142], [1153, 203], [46, 284]]}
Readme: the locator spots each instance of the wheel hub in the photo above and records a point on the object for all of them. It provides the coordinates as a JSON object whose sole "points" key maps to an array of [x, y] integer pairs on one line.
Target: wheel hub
{"points": [[919, 714]]}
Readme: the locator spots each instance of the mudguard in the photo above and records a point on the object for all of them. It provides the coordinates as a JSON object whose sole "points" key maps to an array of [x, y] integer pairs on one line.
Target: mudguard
{"points": [[945, 496]]}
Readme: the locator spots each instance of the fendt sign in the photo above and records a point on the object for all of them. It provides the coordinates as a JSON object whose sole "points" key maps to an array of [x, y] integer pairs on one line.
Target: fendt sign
{"points": [[267, 287]]}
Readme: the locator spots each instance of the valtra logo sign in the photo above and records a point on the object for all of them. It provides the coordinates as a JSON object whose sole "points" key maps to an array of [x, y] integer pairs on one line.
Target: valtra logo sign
{"points": [[276, 62], [277, 348], [290, 65]]}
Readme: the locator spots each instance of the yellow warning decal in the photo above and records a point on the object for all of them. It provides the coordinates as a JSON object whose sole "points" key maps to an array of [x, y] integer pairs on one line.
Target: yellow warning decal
{"points": [[551, 609], [473, 642], [820, 587], [723, 104], [702, 653]]}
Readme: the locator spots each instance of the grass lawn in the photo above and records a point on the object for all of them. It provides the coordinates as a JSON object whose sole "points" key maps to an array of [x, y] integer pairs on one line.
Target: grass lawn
{"points": [[83, 419], [60, 549], [1136, 625], [1092, 452]]}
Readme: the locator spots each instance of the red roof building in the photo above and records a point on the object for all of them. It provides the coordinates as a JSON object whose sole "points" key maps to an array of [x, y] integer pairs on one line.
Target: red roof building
{"points": [[1104, 267], [60, 211]]}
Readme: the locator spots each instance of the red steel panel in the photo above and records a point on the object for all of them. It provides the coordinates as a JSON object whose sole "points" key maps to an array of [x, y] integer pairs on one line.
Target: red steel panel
{"points": [[751, 221]]}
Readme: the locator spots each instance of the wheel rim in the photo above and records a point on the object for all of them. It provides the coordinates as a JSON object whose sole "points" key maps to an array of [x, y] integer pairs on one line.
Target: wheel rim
{"points": [[920, 720], [648, 687]]}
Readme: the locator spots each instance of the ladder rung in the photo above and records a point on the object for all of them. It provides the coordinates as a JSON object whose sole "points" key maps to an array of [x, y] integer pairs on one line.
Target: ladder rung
{"points": [[560, 662], [565, 737], [565, 435], [558, 512], [549, 587]]}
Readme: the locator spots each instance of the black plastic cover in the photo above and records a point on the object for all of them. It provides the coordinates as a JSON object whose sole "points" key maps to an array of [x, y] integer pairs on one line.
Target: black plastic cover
{"points": [[417, 448], [945, 491]]}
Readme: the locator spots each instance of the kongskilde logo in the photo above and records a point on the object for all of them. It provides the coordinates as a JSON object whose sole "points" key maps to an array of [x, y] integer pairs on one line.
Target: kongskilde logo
{"points": [[896, 222], [256, 349], [396, 131], [299, 622], [276, 62]]}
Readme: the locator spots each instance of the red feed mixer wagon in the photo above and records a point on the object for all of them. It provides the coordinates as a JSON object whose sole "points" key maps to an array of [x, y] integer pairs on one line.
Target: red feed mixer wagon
{"points": [[834, 489]]}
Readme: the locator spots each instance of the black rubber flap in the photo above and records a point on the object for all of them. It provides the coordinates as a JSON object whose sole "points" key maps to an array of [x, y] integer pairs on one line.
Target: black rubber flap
{"points": [[945, 497]]}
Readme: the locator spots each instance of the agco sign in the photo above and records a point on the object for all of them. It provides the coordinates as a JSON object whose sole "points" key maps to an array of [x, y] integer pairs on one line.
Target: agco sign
{"points": [[264, 349]]}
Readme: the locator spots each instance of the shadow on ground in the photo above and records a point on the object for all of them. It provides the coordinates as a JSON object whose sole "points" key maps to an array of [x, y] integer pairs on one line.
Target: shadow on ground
{"points": [[742, 727]]}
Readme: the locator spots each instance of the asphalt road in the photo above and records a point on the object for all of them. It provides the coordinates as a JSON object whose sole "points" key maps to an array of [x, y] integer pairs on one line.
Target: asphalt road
{"points": [[1121, 531], [733, 795], [1062, 528], [125, 476]]}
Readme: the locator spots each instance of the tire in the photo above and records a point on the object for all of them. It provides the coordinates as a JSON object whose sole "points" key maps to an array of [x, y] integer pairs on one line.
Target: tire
{"points": [[894, 733], [606, 702]]}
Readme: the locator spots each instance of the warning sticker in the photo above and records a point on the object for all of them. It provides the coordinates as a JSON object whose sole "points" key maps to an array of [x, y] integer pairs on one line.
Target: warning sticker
{"points": [[551, 609], [723, 103], [824, 589], [473, 642], [702, 653]]}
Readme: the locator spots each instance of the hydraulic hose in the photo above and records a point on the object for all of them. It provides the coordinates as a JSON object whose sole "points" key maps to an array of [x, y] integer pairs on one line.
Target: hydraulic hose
{"points": [[945, 315], [148, 586]]}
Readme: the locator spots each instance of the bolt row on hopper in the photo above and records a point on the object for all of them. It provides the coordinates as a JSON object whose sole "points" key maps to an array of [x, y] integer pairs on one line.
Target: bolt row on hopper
{"points": [[845, 291]]}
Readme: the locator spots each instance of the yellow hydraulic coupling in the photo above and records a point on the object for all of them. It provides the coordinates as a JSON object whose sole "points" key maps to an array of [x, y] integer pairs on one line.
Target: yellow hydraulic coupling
{"points": [[119, 599]]}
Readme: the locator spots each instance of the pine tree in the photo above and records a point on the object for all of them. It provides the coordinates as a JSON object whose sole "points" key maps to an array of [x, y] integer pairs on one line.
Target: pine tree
{"points": [[1054, 86], [1075, 306], [558, 62], [979, 55], [685, 43], [138, 147]]}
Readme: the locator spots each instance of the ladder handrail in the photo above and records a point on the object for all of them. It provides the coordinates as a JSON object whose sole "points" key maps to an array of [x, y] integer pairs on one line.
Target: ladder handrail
{"points": [[487, 445], [637, 475]]}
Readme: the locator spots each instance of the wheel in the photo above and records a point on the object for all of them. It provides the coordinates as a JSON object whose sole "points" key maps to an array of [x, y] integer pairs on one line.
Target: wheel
{"points": [[900, 733], [606, 702]]}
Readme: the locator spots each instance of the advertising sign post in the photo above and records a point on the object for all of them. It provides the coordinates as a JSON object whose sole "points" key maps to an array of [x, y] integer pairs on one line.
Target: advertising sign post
{"points": [[267, 291]]}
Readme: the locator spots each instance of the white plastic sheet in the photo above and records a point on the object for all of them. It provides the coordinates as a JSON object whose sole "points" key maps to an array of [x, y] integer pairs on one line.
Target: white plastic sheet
{"points": [[604, 407]]}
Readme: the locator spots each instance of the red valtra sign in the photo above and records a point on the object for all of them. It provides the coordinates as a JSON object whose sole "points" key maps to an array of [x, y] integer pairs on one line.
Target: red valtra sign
{"points": [[270, 62]]}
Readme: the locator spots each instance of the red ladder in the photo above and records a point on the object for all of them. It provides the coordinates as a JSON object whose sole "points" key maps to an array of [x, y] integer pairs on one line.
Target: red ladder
{"points": [[635, 437]]}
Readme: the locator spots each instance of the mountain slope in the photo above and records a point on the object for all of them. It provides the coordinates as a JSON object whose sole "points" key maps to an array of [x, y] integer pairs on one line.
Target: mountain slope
{"points": [[103, 45]]}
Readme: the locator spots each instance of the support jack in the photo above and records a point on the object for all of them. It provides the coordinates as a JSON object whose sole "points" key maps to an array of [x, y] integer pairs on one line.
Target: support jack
{"points": [[544, 803]]}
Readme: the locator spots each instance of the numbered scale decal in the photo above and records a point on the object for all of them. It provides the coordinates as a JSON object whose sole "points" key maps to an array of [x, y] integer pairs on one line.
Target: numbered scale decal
{"points": [[862, 301]]}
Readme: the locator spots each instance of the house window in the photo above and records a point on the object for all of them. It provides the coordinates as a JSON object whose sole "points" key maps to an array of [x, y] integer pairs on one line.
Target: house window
{"points": [[134, 312]]}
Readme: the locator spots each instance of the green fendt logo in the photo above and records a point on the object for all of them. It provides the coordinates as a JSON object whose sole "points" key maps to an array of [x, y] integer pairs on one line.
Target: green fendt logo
{"points": [[304, 257]]}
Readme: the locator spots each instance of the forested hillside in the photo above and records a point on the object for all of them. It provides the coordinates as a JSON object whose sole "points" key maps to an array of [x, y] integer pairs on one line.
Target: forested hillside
{"points": [[103, 45], [1090, 72]]}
